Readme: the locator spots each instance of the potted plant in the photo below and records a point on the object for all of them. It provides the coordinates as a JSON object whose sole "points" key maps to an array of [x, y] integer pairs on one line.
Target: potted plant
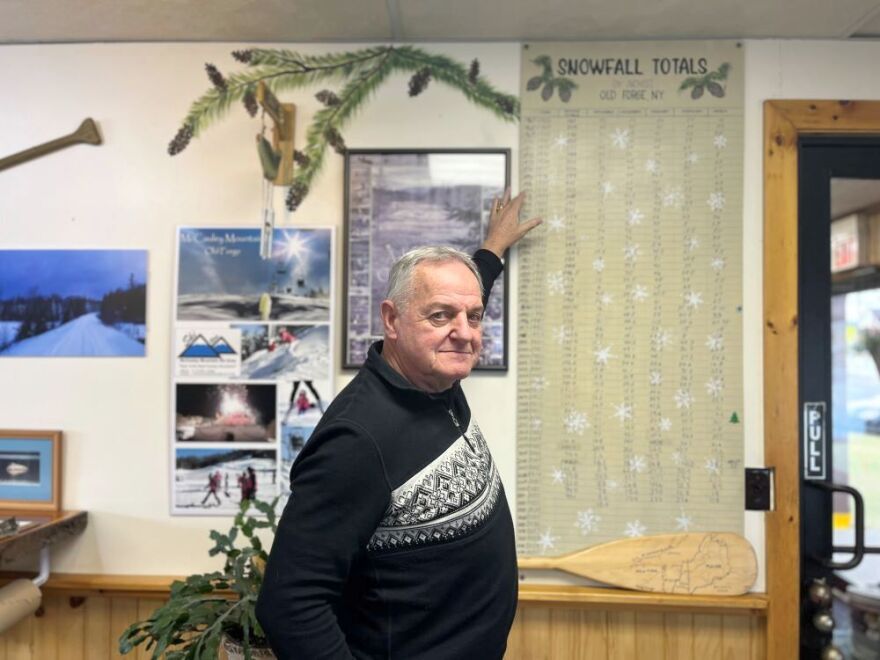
{"points": [[211, 609]]}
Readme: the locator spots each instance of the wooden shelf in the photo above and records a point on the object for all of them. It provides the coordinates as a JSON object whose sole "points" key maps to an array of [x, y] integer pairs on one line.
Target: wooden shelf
{"points": [[48, 529]]}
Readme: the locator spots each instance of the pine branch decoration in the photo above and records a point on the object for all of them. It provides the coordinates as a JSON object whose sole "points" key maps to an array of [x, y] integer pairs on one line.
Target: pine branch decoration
{"points": [[361, 73]]}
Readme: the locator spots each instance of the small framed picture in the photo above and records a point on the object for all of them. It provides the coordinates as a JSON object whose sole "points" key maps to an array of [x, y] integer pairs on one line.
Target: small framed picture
{"points": [[397, 200], [30, 470]]}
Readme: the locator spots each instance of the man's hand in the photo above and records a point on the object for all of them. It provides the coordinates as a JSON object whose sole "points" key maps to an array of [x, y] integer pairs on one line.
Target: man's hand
{"points": [[505, 229]]}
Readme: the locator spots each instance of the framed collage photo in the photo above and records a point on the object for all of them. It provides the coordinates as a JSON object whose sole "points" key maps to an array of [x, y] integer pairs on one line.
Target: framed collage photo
{"points": [[397, 200], [30, 470]]}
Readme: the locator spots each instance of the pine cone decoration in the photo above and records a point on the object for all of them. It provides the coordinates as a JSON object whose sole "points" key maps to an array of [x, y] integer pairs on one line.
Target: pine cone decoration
{"points": [[505, 104], [296, 195], [419, 81], [474, 72], [301, 159], [335, 140], [216, 77], [243, 56], [327, 97], [250, 103], [178, 144]]}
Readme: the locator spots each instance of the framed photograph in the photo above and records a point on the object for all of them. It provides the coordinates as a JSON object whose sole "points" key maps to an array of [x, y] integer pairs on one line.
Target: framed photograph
{"points": [[30, 470], [397, 200]]}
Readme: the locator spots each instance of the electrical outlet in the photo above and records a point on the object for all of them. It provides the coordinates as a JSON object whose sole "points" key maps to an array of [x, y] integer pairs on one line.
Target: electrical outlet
{"points": [[759, 489]]}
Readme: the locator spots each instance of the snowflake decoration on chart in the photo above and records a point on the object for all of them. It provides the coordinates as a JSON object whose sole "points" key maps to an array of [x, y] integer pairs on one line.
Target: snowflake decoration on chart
{"points": [[620, 138], [631, 252], [634, 217], [693, 243], [540, 383], [683, 399], [711, 466], [635, 529], [556, 282], [661, 339], [547, 541], [640, 293], [556, 223], [606, 299], [694, 299], [714, 387], [717, 263], [692, 158], [576, 422], [719, 141], [603, 355], [598, 264], [715, 342], [656, 378], [652, 166], [665, 424], [561, 141], [588, 521], [637, 464], [612, 484], [561, 334], [716, 201], [537, 424], [558, 476], [683, 522], [673, 197], [678, 458], [607, 188], [623, 412]]}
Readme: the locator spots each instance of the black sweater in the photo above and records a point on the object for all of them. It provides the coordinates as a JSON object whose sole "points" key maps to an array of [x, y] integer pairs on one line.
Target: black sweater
{"points": [[397, 541]]}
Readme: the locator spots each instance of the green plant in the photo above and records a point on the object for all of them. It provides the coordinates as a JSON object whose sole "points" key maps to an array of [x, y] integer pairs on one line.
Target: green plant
{"points": [[548, 82], [711, 82], [190, 625], [361, 73]]}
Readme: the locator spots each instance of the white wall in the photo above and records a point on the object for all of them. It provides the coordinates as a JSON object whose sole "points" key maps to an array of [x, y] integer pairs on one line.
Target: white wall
{"points": [[129, 193]]}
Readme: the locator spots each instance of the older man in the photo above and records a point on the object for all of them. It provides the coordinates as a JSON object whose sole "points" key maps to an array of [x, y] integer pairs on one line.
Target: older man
{"points": [[398, 541]]}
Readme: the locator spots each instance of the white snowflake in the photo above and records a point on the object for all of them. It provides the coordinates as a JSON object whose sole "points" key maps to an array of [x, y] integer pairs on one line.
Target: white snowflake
{"points": [[558, 476], [673, 197], [683, 522], [623, 412], [683, 399], [607, 188], [678, 458], [606, 299], [631, 252], [720, 141], [540, 383], [662, 338], [561, 334], [714, 387], [588, 521], [556, 223], [555, 282], [603, 355], [537, 424], [693, 243], [665, 424], [640, 292], [634, 217], [693, 158], [694, 299], [598, 264], [576, 422], [637, 464], [620, 138], [711, 466], [652, 166], [635, 529], [547, 541], [715, 342], [717, 263], [656, 378], [612, 484], [716, 201], [561, 141]]}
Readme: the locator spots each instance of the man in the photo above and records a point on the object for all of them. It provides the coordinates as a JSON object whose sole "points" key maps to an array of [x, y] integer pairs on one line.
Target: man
{"points": [[397, 541]]}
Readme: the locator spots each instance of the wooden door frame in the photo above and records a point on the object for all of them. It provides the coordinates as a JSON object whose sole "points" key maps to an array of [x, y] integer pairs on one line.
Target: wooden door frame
{"points": [[784, 123]]}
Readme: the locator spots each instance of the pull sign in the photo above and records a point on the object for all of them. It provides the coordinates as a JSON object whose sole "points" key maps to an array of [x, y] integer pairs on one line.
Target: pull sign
{"points": [[814, 440]]}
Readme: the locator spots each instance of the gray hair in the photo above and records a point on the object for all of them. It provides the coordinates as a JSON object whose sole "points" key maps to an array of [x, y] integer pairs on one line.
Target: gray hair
{"points": [[400, 279]]}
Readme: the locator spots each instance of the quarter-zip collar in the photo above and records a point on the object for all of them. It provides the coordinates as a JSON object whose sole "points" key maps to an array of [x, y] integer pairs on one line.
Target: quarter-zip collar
{"points": [[377, 364]]}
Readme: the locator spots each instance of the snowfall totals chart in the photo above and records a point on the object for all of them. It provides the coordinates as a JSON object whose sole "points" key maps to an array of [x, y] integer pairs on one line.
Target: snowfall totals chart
{"points": [[629, 363]]}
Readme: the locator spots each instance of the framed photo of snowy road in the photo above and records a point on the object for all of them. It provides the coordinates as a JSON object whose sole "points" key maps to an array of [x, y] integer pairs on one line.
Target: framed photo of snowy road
{"points": [[30, 470], [397, 200], [73, 303]]}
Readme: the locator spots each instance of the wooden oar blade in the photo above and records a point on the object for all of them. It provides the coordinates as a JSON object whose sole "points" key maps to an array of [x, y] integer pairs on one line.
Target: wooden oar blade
{"points": [[716, 563]]}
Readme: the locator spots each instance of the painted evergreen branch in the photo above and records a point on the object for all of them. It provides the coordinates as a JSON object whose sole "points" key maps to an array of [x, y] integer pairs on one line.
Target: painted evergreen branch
{"points": [[361, 71]]}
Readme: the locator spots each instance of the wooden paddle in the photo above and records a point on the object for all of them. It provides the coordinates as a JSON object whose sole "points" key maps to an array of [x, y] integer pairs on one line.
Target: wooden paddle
{"points": [[87, 133], [719, 563]]}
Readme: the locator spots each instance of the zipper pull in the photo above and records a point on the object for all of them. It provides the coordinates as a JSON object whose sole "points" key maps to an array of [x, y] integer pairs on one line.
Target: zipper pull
{"points": [[458, 426]]}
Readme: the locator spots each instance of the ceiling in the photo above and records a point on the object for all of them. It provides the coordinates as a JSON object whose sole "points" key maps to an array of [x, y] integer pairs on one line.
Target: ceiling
{"points": [[55, 21]]}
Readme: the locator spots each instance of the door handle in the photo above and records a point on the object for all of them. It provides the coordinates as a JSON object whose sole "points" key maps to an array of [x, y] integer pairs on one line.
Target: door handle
{"points": [[858, 551]]}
